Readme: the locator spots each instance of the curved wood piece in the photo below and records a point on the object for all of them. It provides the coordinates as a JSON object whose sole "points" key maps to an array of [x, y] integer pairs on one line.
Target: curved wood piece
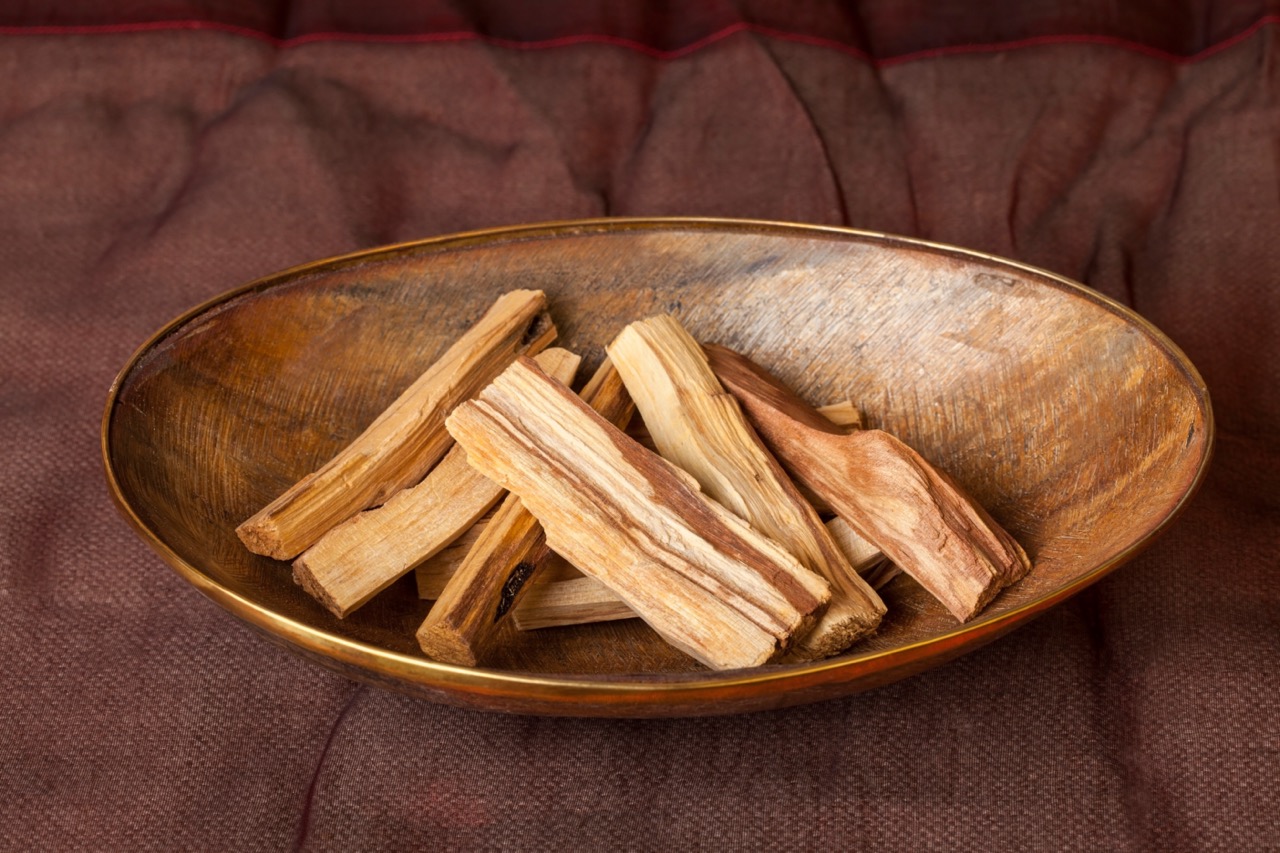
{"points": [[917, 515]]}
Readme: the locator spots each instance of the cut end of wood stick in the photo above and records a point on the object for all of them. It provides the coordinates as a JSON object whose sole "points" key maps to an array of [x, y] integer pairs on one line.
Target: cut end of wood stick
{"points": [[262, 536], [446, 644], [314, 586], [407, 438], [843, 414], [460, 626]]}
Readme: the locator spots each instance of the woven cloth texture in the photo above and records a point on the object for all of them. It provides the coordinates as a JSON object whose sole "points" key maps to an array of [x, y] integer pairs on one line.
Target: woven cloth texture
{"points": [[154, 155]]}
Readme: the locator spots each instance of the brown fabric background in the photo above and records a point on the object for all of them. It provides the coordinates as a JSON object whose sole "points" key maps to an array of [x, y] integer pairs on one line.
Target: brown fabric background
{"points": [[142, 172]]}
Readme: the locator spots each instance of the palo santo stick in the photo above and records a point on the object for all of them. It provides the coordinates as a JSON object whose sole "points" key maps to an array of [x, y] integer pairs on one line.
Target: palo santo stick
{"points": [[368, 552], [880, 574], [408, 438], [915, 514], [434, 572], [697, 574], [843, 414], [461, 627], [860, 553], [560, 601], [576, 601], [697, 425], [561, 596]]}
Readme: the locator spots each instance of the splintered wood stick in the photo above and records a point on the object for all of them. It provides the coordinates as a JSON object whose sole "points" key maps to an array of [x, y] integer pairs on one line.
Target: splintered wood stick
{"points": [[408, 438], [460, 628], [366, 553], [915, 514], [698, 575], [562, 601], [700, 427]]}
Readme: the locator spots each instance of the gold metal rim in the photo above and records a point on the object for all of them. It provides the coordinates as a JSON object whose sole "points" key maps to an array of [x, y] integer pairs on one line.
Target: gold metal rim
{"points": [[679, 687]]}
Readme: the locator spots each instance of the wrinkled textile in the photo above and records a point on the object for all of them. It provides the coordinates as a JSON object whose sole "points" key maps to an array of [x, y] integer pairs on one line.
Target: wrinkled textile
{"points": [[153, 155]]}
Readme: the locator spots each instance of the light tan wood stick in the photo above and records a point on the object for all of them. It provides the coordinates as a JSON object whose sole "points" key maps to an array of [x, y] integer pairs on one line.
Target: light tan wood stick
{"points": [[561, 601], [408, 438], [843, 414], [463, 623], [700, 427], [697, 574], [573, 601], [560, 595], [915, 514], [368, 552], [434, 572], [881, 573], [860, 553]]}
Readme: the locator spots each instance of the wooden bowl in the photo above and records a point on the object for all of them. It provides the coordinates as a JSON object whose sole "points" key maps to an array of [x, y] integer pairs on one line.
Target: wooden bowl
{"points": [[1081, 427]]}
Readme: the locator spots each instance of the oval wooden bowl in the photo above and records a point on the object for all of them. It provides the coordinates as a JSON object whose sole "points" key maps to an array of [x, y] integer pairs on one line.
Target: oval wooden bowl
{"points": [[1080, 427]]}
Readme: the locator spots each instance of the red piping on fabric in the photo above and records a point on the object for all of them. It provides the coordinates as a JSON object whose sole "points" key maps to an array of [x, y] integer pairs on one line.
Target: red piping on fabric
{"points": [[649, 50]]}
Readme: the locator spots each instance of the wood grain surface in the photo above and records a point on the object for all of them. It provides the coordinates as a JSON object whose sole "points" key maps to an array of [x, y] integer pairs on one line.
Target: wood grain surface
{"points": [[1075, 423]]}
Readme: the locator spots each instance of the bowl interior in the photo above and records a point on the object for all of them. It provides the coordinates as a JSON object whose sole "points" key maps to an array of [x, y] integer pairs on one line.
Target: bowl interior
{"points": [[1078, 426]]}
